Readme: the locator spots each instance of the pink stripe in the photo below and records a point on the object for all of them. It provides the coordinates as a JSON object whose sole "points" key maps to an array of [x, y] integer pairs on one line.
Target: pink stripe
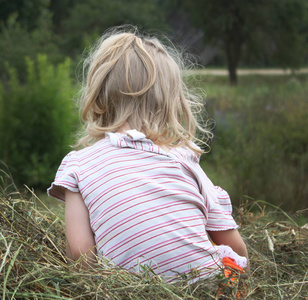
{"points": [[105, 162], [185, 263], [145, 231], [121, 169], [92, 155], [161, 245], [157, 216], [181, 256], [92, 163], [144, 178], [147, 180], [135, 216], [67, 183], [126, 200], [136, 196], [152, 237], [172, 249], [123, 201], [100, 164], [70, 165]]}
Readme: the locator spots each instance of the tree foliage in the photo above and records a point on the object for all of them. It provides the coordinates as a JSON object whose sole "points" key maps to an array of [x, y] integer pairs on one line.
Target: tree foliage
{"points": [[257, 32], [36, 120], [270, 28], [28, 12], [61, 28], [35, 102], [87, 20], [17, 42]]}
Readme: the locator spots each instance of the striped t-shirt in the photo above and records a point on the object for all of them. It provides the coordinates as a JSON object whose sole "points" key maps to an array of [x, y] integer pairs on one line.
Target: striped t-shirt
{"points": [[147, 207]]}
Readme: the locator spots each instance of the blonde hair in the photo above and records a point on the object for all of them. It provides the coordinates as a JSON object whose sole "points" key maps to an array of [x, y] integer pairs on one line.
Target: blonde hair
{"points": [[137, 81]]}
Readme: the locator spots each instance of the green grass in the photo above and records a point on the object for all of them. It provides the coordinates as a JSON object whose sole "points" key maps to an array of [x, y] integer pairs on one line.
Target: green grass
{"points": [[249, 88]]}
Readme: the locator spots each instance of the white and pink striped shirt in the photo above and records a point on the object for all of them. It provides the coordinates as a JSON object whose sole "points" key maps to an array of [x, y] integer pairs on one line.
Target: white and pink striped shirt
{"points": [[147, 207]]}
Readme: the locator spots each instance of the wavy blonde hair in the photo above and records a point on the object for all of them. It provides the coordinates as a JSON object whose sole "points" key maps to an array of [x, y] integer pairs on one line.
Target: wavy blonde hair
{"points": [[136, 81]]}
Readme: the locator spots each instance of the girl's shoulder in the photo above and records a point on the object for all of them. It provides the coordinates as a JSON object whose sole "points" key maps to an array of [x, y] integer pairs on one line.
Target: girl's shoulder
{"points": [[100, 145], [185, 153]]}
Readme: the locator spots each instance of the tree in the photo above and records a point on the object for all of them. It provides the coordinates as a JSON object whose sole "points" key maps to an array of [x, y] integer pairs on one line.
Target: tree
{"points": [[28, 12], [272, 28], [87, 20], [16, 43], [60, 11]]}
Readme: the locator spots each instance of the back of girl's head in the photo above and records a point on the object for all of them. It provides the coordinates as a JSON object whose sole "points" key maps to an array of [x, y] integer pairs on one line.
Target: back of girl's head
{"points": [[135, 81]]}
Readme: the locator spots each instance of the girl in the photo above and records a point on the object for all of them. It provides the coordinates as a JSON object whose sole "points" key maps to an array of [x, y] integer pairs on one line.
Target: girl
{"points": [[135, 194]]}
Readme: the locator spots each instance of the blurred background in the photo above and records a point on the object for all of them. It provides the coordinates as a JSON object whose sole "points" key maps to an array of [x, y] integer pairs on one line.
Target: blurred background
{"points": [[261, 134]]}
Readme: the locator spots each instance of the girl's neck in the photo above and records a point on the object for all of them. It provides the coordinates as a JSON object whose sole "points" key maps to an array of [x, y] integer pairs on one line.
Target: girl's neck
{"points": [[124, 128]]}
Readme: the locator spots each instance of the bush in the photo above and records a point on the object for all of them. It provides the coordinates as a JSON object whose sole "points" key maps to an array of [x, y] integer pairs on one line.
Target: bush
{"points": [[16, 42], [37, 120]]}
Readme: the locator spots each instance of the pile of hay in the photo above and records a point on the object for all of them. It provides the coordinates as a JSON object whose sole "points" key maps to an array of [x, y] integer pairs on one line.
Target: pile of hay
{"points": [[33, 263]]}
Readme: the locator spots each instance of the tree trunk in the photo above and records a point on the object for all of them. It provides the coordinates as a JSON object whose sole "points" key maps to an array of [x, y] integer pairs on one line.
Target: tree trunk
{"points": [[233, 54], [232, 73], [234, 39]]}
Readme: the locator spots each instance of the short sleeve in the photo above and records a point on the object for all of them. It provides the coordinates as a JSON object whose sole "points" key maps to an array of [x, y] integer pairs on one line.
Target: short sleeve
{"points": [[66, 177], [217, 202], [219, 211]]}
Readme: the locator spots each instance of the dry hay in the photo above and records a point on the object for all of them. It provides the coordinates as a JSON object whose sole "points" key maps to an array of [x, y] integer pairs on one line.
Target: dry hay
{"points": [[33, 263]]}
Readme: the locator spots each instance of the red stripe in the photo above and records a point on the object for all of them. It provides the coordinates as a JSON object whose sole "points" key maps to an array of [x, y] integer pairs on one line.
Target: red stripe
{"points": [[160, 246], [152, 237], [172, 249]]}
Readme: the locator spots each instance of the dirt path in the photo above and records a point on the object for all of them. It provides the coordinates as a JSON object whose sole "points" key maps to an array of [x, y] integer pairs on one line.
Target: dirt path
{"points": [[221, 72]]}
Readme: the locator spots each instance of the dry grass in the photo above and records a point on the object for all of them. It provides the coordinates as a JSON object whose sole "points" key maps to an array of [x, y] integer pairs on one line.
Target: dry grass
{"points": [[33, 263]]}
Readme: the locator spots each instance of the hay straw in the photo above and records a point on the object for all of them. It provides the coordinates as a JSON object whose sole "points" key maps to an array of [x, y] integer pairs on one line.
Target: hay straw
{"points": [[33, 261], [270, 242]]}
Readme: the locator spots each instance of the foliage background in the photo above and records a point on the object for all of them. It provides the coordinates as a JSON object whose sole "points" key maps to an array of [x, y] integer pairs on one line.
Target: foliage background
{"points": [[37, 119], [260, 145], [260, 148]]}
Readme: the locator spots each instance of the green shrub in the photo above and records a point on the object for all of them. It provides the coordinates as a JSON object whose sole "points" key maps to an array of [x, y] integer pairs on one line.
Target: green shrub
{"points": [[36, 121], [16, 42]]}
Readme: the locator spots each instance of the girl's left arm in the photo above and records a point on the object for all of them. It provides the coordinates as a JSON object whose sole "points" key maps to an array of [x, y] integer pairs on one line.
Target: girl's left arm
{"points": [[79, 236], [230, 238]]}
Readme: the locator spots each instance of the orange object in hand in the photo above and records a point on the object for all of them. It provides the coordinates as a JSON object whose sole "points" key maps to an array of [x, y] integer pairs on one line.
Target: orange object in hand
{"points": [[232, 271], [230, 266]]}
